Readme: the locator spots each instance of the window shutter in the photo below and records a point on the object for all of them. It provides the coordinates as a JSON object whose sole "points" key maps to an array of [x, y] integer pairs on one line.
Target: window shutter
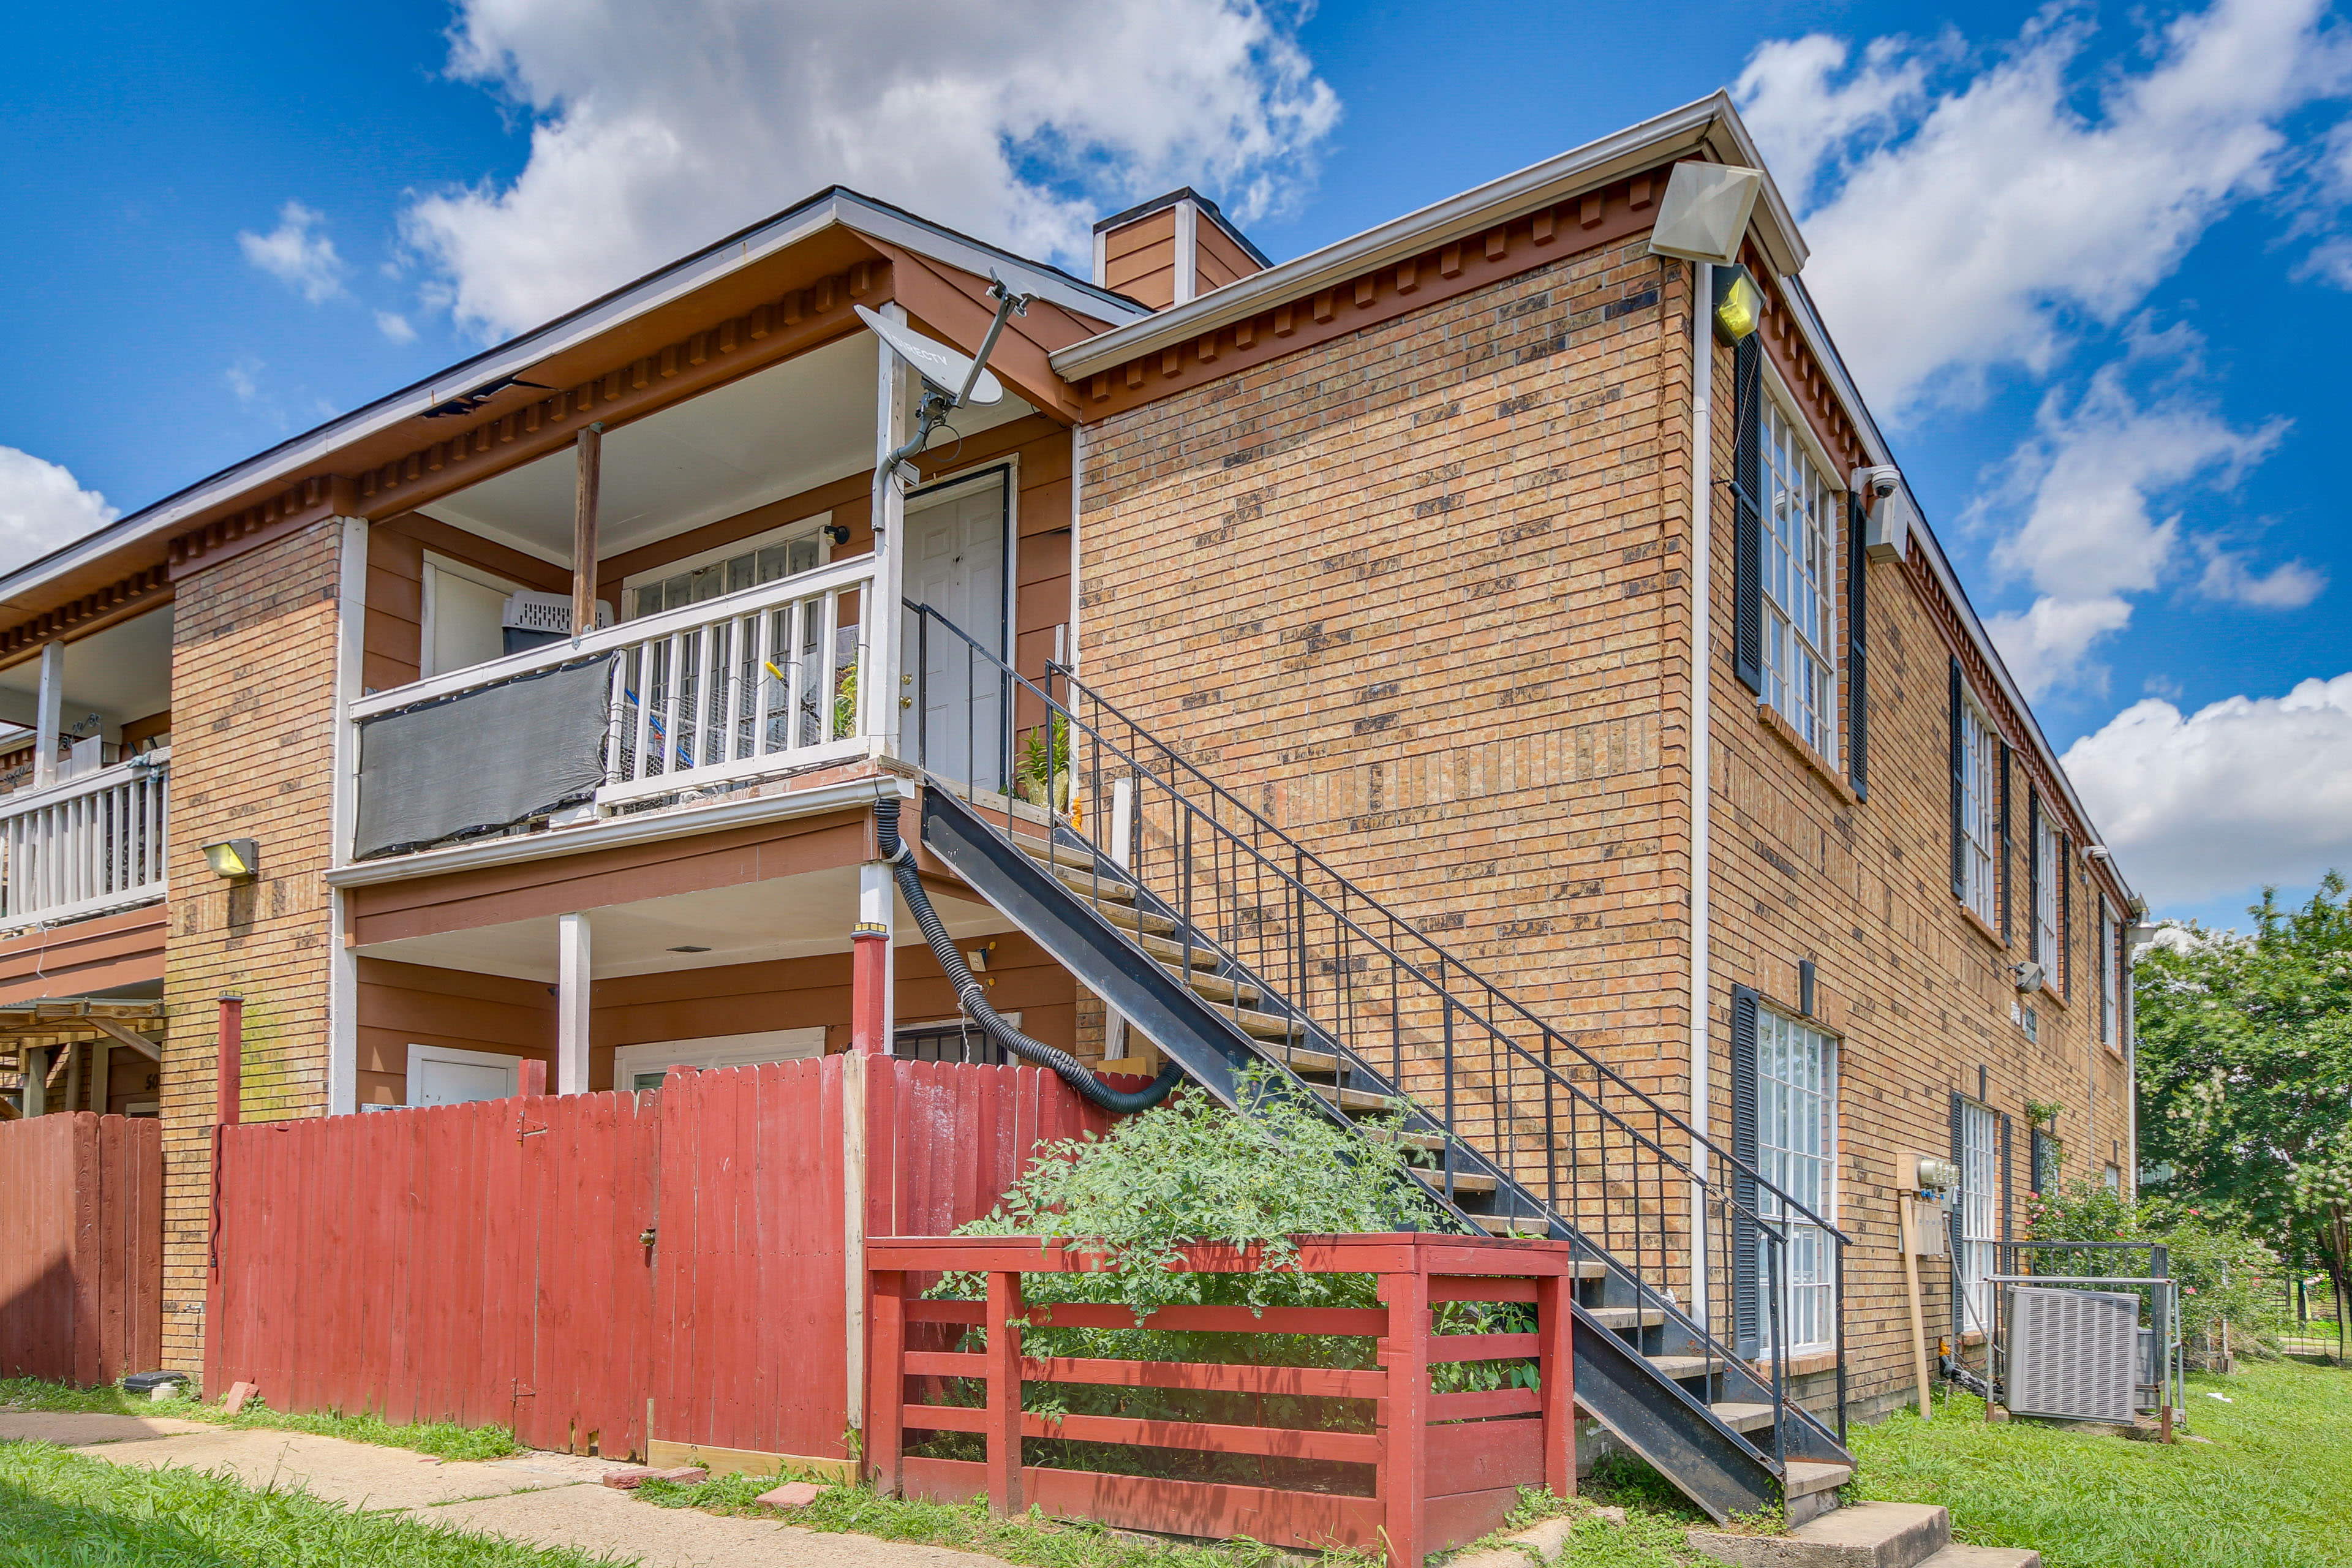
{"points": [[1857, 676], [2033, 876], [2007, 1182], [2005, 884], [1960, 1164], [1959, 843], [1748, 521], [1746, 1316]]}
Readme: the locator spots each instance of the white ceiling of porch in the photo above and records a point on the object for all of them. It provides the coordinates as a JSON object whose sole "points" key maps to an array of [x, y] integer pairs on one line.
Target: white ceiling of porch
{"points": [[792, 917], [122, 672], [787, 429]]}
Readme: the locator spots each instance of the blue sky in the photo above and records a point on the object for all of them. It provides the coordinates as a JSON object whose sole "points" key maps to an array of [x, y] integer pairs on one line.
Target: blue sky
{"points": [[2090, 263]]}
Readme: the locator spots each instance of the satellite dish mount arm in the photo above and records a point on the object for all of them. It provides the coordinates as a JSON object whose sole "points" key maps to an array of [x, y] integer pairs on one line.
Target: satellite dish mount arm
{"points": [[938, 402]]}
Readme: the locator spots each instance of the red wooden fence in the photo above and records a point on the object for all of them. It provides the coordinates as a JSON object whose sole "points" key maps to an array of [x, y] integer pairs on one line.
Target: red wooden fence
{"points": [[558, 1263], [1446, 1466], [81, 1247]]}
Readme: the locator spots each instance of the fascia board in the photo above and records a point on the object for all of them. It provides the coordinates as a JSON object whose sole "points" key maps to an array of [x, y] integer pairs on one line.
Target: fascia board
{"points": [[302, 455], [1710, 125], [1816, 339]]}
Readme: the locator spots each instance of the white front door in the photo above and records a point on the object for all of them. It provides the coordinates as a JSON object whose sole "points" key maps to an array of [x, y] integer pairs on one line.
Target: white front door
{"points": [[955, 565], [443, 1075]]}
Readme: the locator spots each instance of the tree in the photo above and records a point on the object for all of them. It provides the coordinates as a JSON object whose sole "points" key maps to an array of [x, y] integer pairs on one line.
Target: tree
{"points": [[2245, 1074]]}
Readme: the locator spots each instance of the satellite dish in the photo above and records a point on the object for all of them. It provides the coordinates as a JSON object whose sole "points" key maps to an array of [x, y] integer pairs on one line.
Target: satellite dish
{"points": [[940, 365]]}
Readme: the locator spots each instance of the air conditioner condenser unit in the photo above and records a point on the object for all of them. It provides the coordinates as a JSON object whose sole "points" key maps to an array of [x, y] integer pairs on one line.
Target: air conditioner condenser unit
{"points": [[2072, 1354]]}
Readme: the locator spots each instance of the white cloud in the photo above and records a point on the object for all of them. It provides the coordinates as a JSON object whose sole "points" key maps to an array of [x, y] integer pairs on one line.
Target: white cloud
{"points": [[395, 326], [1963, 234], [42, 506], [243, 381], [2290, 585], [658, 129], [2082, 488], [2244, 792], [1800, 117], [302, 259]]}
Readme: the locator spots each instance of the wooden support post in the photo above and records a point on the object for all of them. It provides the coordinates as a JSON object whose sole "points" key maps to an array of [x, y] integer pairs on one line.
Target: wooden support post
{"points": [[1404, 1416], [531, 1077], [73, 1076], [583, 533], [1556, 1372], [1004, 1498], [574, 991], [886, 1400], [870, 977], [101, 1076], [33, 1067], [228, 1063], [48, 714]]}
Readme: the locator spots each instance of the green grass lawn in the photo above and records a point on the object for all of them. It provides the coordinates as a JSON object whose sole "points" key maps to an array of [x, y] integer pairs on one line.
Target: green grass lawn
{"points": [[442, 1439], [60, 1510], [2273, 1489]]}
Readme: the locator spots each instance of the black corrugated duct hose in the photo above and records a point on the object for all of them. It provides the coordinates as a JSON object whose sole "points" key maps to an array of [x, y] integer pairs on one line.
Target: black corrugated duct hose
{"points": [[973, 996]]}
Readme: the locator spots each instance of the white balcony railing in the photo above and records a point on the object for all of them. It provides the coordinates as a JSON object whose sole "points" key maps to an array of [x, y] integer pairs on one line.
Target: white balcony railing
{"points": [[84, 847], [758, 682]]}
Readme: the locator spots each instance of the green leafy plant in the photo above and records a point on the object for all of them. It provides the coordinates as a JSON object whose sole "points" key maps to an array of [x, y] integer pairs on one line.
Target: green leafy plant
{"points": [[2226, 1275], [1041, 771], [845, 703]]}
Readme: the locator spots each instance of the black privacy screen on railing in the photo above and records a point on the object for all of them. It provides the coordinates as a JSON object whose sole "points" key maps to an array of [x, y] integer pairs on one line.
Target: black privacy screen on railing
{"points": [[483, 760]]}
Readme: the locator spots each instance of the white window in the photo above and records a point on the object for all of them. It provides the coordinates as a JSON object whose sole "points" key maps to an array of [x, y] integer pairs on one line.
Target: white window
{"points": [[2107, 975], [1796, 1144], [2049, 865], [1799, 584], [785, 552], [1979, 810], [638, 1067], [1979, 1208]]}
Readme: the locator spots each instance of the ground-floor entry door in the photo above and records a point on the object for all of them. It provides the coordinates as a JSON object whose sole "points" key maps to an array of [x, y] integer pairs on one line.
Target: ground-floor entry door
{"points": [[956, 563]]}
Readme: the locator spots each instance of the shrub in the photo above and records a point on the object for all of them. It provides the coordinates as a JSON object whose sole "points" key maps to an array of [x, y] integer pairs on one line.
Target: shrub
{"points": [[2226, 1275]]}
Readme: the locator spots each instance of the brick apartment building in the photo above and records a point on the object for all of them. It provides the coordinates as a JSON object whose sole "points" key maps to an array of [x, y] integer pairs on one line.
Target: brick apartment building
{"points": [[1491, 610]]}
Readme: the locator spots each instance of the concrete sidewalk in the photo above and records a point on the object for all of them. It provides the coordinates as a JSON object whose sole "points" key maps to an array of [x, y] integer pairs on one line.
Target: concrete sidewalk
{"points": [[544, 1500]]}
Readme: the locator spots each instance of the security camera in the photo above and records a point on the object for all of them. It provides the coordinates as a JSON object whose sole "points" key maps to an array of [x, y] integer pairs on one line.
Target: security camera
{"points": [[1880, 483], [2100, 852]]}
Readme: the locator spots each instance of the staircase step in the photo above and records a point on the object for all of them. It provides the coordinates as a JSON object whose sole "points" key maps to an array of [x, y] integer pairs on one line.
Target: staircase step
{"points": [[1068, 855], [1090, 887], [1804, 1476], [1514, 1225], [1304, 1061], [1355, 1100], [1865, 1535], [1623, 1318], [1224, 988], [1959, 1554], [1675, 1368], [1429, 1141], [1473, 1184], [1145, 922], [1739, 1417], [1264, 1026], [1171, 952]]}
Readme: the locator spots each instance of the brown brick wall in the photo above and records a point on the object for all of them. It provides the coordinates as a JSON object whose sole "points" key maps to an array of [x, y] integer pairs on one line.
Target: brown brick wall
{"points": [[253, 672], [1418, 594]]}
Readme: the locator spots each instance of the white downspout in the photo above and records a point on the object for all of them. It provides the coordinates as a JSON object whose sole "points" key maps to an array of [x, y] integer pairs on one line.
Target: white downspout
{"points": [[1702, 669]]}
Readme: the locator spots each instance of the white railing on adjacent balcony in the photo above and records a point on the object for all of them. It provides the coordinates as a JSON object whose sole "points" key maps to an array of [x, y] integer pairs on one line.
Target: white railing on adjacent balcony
{"points": [[760, 682], [85, 847]]}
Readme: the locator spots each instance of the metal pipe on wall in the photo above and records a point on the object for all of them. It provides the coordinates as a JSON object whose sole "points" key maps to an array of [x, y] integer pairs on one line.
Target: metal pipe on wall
{"points": [[1702, 669]]}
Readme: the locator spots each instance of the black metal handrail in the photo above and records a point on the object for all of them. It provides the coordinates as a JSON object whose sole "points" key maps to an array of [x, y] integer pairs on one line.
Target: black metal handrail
{"points": [[1240, 871]]}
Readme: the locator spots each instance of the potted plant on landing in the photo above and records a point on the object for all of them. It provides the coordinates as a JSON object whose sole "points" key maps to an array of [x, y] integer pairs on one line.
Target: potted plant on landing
{"points": [[1042, 774]]}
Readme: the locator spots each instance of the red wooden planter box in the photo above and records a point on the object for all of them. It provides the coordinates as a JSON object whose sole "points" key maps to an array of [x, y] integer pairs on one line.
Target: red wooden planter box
{"points": [[1448, 1466]]}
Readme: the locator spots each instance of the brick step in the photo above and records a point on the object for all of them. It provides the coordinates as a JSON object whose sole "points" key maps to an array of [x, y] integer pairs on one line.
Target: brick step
{"points": [[1865, 1535]]}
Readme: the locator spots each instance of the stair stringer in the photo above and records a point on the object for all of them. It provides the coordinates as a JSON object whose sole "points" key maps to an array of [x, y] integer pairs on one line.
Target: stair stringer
{"points": [[1653, 1416]]}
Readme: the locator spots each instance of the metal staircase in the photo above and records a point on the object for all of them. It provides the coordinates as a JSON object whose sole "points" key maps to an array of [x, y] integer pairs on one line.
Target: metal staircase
{"points": [[1226, 944]]}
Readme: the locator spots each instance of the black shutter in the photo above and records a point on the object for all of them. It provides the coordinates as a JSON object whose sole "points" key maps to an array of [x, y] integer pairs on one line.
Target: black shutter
{"points": [[1746, 1314], [2033, 876], [1960, 845], [2065, 873], [1747, 521], [2005, 883], [1857, 688], [2008, 1181], [1959, 1209]]}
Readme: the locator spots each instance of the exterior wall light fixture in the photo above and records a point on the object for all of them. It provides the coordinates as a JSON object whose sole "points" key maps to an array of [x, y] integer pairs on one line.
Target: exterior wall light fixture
{"points": [[1739, 303], [238, 859]]}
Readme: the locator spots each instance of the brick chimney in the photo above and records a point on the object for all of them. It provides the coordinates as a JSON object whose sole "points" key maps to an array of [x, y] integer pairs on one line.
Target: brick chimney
{"points": [[1171, 249]]}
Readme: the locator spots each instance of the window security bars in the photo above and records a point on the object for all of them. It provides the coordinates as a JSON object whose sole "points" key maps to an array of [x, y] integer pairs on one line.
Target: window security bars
{"points": [[2108, 967], [84, 847], [2049, 866], [1800, 516], [1979, 811], [1796, 1114], [1979, 1217], [1489, 1086]]}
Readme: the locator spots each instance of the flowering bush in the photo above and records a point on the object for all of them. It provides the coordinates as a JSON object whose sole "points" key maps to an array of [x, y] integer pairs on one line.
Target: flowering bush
{"points": [[2226, 1275]]}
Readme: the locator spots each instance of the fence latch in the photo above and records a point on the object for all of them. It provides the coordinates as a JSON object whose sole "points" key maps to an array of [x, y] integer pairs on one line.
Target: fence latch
{"points": [[645, 1237]]}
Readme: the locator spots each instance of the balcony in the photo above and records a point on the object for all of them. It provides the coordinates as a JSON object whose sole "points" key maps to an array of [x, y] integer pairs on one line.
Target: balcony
{"points": [[669, 709], [86, 847]]}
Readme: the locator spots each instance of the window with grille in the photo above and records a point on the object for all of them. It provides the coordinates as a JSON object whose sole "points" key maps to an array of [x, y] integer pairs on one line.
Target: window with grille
{"points": [[1801, 513], [2108, 976], [2049, 865], [1796, 1123], [1979, 1215], [786, 552], [1979, 812]]}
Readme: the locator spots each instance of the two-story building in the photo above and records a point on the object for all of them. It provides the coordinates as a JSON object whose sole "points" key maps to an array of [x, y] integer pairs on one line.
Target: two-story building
{"points": [[1489, 669]]}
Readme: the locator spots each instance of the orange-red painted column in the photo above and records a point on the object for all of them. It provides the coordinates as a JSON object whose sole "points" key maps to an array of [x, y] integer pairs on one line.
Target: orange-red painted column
{"points": [[1404, 1419], [1555, 1374], [229, 1061], [869, 948], [228, 1079]]}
